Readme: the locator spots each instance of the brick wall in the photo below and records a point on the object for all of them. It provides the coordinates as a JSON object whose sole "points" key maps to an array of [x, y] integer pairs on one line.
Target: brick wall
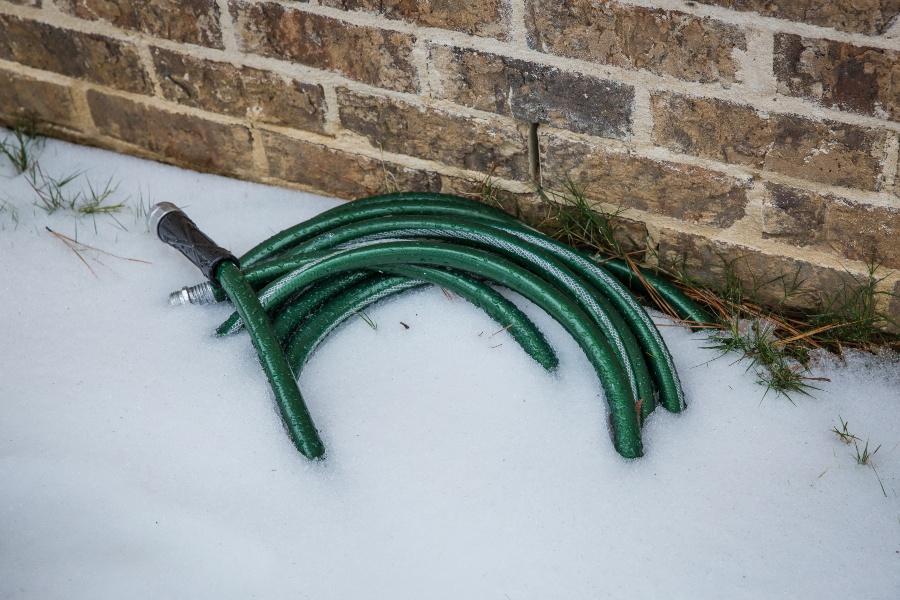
{"points": [[750, 129]]}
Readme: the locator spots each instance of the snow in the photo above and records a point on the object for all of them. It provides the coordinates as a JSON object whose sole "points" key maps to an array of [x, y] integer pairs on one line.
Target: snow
{"points": [[142, 458]]}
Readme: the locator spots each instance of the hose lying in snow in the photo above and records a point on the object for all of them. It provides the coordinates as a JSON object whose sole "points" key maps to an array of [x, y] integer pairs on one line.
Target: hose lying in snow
{"points": [[313, 276]]}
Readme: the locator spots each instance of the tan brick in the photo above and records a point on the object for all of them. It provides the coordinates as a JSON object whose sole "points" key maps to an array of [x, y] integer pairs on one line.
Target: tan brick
{"points": [[349, 175], [368, 54], [664, 42], [85, 56], [826, 151], [465, 142], [853, 230], [485, 18], [685, 192], [191, 21], [793, 215], [839, 75], [863, 232], [768, 278], [860, 16], [23, 98], [185, 140], [239, 91], [33, 3], [535, 93], [336, 172]]}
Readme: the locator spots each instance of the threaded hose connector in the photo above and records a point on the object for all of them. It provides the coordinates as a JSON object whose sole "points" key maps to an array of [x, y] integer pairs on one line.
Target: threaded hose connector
{"points": [[202, 293]]}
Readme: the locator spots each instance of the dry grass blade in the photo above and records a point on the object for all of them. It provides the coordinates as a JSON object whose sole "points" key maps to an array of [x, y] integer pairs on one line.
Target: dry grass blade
{"points": [[84, 246], [72, 246]]}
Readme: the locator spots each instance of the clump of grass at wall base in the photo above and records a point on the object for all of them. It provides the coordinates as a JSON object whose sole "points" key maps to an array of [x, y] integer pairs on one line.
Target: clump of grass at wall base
{"points": [[774, 340]]}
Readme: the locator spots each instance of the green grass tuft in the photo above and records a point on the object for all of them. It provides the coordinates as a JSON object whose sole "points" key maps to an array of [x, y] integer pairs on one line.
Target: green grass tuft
{"points": [[21, 149]]}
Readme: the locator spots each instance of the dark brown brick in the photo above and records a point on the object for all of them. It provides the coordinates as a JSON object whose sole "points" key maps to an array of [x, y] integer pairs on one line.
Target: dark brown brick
{"points": [[826, 151], [859, 16], [182, 139], [25, 99], [465, 142], [348, 175], [191, 21], [633, 37], [793, 215], [371, 55], [839, 75], [685, 192], [485, 18], [535, 93], [853, 230], [84, 56], [766, 277], [339, 173], [240, 91]]}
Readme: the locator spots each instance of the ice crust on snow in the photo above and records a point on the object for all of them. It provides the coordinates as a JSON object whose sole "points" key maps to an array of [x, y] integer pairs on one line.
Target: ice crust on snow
{"points": [[143, 458]]}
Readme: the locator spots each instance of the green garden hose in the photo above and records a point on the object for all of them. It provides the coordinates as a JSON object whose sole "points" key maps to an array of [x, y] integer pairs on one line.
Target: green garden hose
{"points": [[311, 277], [475, 234], [606, 362], [294, 413], [506, 314]]}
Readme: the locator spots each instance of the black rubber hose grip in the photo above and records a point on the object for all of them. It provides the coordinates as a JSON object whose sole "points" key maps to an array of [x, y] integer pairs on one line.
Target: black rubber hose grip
{"points": [[177, 230]]}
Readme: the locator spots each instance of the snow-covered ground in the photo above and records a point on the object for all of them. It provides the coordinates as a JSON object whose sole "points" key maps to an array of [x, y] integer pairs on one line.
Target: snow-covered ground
{"points": [[142, 458]]}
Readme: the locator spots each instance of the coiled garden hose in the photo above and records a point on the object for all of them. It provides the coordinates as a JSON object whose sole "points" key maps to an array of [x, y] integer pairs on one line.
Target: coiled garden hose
{"points": [[313, 276]]}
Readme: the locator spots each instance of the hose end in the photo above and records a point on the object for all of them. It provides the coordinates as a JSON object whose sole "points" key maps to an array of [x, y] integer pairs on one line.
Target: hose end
{"points": [[202, 293], [157, 212]]}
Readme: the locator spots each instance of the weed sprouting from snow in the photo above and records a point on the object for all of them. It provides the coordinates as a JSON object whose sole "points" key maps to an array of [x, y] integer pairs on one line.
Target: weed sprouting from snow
{"points": [[22, 147], [844, 432], [863, 456], [52, 192], [55, 194], [775, 369]]}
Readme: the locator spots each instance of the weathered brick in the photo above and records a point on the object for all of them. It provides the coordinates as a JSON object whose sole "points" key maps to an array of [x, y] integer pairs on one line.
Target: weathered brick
{"points": [[239, 91], [793, 215], [25, 99], [337, 172], [85, 56], [349, 175], [185, 140], [840, 75], [465, 142], [826, 151], [532, 92], [854, 230], [771, 279], [682, 191], [191, 21], [33, 3], [860, 16], [664, 42], [368, 54], [485, 18]]}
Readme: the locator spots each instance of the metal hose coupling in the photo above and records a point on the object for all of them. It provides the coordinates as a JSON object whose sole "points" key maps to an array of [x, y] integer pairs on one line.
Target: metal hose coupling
{"points": [[202, 293]]}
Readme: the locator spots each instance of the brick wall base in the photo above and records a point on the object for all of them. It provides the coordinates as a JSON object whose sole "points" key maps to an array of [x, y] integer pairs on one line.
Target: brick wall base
{"points": [[721, 129]]}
